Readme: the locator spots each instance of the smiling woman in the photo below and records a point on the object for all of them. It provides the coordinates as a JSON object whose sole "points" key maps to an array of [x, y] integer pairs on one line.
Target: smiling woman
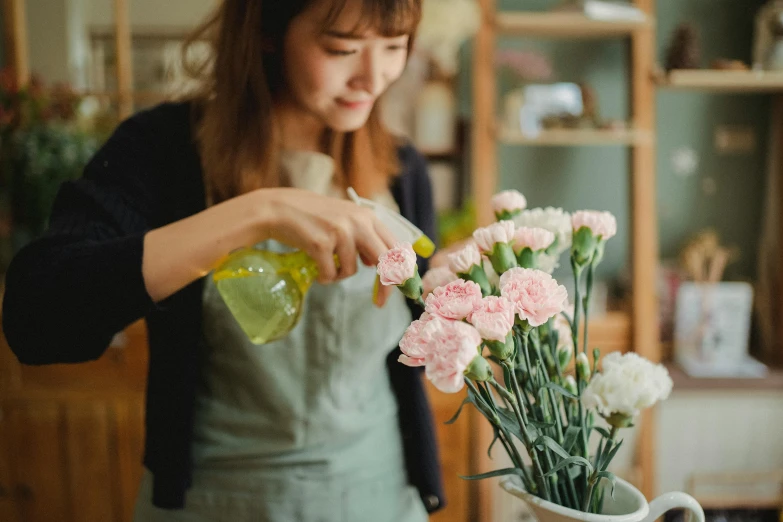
{"points": [[322, 424], [324, 62]]}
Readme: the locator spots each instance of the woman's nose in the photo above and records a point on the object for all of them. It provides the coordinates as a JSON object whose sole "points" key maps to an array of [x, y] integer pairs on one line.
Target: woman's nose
{"points": [[371, 76]]}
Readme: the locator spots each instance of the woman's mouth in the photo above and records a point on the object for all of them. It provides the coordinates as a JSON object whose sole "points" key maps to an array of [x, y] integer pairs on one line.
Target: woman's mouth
{"points": [[354, 105]]}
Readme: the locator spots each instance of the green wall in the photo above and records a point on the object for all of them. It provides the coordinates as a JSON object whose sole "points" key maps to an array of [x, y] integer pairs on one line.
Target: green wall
{"points": [[598, 177]]}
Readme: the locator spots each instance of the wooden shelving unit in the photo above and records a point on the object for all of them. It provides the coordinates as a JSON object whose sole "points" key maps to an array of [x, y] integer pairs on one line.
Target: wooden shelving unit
{"points": [[642, 318], [563, 25], [723, 81], [575, 137]]}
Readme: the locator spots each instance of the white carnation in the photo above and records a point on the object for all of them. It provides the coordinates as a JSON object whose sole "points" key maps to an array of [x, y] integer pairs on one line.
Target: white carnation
{"points": [[626, 385], [557, 221]]}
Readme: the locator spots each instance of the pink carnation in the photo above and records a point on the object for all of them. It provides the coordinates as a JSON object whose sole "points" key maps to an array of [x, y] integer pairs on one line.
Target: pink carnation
{"points": [[414, 344], [461, 262], [602, 224], [535, 294], [454, 301], [397, 265], [500, 232], [508, 201], [494, 318], [435, 277], [453, 346], [533, 238]]}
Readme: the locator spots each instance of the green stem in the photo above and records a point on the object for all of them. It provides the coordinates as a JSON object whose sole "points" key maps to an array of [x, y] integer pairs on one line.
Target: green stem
{"points": [[553, 349], [577, 270], [586, 303], [577, 304], [553, 479], [588, 496], [521, 415], [511, 449], [593, 481]]}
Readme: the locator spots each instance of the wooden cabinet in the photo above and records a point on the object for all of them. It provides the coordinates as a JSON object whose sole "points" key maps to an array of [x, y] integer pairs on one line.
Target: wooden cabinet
{"points": [[71, 436]]}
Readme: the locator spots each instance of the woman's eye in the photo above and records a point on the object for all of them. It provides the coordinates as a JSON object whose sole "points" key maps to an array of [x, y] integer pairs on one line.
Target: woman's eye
{"points": [[398, 48], [340, 52]]}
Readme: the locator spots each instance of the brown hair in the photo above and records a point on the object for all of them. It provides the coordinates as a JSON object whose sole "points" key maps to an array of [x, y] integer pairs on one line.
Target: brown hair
{"points": [[234, 106]]}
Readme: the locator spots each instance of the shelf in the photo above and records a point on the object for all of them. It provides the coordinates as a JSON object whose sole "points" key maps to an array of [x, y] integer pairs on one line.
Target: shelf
{"points": [[563, 25], [683, 382], [576, 137], [723, 81]]}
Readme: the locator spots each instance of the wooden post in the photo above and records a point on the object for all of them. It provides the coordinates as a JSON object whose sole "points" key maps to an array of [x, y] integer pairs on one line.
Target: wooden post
{"points": [[17, 56], [484, 183], [484, 159], [776, 351], [124, 57], [644, 229]]}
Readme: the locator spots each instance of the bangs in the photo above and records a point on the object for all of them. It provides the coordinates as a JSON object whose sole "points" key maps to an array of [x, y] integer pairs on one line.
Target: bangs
{"points": [[388, 18]]}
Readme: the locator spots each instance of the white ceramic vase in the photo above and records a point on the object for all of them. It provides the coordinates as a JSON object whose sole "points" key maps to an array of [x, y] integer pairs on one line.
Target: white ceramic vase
{"points": [[628, 505]]}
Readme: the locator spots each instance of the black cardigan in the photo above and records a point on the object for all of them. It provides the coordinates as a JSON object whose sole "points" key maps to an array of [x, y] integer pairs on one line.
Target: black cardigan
{"points": [[68, 292]]}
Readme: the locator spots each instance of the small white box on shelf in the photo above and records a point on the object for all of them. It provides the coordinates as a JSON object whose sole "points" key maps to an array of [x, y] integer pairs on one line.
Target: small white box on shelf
{"points": [[712, 330]]}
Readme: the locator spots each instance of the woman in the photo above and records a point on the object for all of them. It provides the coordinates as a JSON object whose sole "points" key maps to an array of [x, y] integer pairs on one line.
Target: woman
{"points": [[323, 424]]}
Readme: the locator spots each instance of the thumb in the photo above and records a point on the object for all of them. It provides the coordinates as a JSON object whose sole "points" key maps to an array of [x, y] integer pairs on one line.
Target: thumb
{"points": [[381, 293]]}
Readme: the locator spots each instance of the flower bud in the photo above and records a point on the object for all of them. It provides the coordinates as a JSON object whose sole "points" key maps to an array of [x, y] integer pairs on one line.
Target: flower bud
{"points": [[502, 350], [583, 246], [479, 369], [570, 384], [412, 288], [502, 258], [526, 258], [564, 354], [478, 276], [583, 367]]}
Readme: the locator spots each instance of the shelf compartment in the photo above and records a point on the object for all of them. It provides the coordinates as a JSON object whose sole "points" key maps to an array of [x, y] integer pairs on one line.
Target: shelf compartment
{"points": [[723, 81], [564, 25], [575, 137]]}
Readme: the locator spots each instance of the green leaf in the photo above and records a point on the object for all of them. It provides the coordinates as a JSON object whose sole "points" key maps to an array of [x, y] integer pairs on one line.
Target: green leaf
{"points": [[456, 415], [485, 395], [494, 440], [509, 421], [496, 473], [577, 461], [559, 389], [550, 443], [602, 431], [542, 425], [599, 457], [571, 436], [610, 456], [607, 475]]}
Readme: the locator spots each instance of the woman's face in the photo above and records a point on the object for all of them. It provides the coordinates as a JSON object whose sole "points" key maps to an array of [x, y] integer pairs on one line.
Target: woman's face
{"points": [[338, 75]]}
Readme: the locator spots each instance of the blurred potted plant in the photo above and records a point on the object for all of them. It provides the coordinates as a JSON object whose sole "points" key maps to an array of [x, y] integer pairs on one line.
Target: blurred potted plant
{"points": [[46, 137]]}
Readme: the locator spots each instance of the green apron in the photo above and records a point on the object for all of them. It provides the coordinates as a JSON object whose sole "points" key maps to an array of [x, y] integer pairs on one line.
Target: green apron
{"points": [[304, 428]]}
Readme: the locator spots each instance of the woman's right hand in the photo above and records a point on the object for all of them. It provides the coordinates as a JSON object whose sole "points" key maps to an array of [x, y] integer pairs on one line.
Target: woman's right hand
{"points": [[324, 227], [178, 253]]}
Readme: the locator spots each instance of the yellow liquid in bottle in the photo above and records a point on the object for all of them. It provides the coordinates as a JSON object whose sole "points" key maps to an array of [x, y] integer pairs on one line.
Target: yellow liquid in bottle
{"points": [[265, 290]]}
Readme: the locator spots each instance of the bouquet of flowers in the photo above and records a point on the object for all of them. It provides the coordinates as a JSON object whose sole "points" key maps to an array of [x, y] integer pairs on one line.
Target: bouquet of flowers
{"points": [[498, 323], [47, 135]]}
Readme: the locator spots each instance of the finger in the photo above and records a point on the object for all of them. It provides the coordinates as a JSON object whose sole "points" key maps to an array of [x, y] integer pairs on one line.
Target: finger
{"points": [[346, 253], [382, 294], [365, 260], [324, 258], [384, 233], [371, 247]]}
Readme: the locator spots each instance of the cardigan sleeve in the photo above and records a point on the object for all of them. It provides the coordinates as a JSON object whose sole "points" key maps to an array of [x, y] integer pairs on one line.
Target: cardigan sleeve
{"points": [[69, 291]]}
